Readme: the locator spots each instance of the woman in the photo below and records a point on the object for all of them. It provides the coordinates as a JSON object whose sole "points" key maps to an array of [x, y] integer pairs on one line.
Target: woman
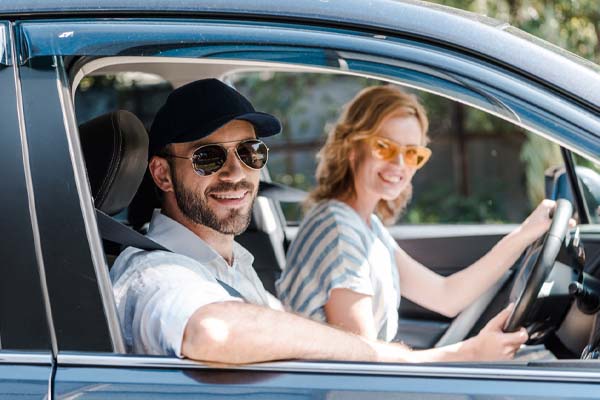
{"points": [[344, 267]]}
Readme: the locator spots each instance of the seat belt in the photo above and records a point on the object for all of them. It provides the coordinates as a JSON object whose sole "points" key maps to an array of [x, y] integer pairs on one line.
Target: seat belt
{"points": [[113, 230]]}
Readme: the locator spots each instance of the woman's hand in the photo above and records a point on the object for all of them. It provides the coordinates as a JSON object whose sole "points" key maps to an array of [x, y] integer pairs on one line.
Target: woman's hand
{"points": [[492, 344], [539, 222]]}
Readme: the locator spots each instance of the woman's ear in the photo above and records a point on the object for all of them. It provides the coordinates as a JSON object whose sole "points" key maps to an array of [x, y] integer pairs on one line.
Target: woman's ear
{"points": [[352, 155], [161, 173]]}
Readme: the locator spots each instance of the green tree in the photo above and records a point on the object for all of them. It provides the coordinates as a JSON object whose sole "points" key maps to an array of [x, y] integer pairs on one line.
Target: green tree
{"points": [[570, 24]]}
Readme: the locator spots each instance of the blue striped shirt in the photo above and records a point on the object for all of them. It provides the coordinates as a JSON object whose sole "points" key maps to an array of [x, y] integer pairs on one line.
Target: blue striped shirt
{"points": [[334, 248]]}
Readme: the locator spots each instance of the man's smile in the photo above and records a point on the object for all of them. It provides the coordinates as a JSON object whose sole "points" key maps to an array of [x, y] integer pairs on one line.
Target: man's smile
{"points": [[230, 199]]}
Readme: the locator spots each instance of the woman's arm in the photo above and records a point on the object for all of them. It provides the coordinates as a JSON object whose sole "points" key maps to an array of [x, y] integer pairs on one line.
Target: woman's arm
{"points": [[450, 295], [352, 312]]}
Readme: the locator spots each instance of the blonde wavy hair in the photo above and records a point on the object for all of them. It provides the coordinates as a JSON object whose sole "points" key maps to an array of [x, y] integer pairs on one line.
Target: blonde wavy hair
{"points": [[362, 117]]}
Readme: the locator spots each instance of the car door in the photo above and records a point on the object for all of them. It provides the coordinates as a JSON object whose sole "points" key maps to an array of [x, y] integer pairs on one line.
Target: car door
{"points": [[579, 182], [26, 356], [91, 362]]}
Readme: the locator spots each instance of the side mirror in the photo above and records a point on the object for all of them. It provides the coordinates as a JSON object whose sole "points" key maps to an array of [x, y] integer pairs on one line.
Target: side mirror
{"points": [[557, 186]]}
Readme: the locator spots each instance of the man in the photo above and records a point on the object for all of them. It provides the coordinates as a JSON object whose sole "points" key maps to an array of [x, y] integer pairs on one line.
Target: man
{"points": [[203, 300]]}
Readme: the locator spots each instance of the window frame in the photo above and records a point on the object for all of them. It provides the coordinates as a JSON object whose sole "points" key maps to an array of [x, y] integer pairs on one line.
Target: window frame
{"points": [[461, 76], [23, 277], [498, 87], [83, 318], [30, 345]]}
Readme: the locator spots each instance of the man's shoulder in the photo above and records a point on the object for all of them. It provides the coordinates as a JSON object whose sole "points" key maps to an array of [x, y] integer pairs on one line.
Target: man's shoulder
{"points": [[133, 259], [125, 260]]}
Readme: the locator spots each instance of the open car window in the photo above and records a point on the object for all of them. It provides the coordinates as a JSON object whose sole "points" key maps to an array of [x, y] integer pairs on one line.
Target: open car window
{"points": [[503, 160], [489, 115], [483, 169]]}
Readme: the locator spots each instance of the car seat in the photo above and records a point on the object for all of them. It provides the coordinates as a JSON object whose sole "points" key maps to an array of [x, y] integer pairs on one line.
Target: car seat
{"points": [[115, 149]]}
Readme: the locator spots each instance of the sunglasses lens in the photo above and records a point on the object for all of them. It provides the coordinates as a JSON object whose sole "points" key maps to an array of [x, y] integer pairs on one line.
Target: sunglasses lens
{"points": [[411, 157], [416, 157], [208, 159], [384, 149], [253, 153]]}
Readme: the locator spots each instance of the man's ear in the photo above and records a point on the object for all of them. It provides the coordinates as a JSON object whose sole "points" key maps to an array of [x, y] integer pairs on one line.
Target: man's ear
{"points": [[161, 173]]}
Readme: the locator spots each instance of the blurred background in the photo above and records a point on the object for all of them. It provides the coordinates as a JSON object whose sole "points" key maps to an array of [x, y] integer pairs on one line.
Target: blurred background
{"points": [[571, 24], [483, 170]]}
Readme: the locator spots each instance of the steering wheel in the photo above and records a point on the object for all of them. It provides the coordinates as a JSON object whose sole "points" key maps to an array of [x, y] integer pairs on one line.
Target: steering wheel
{"points": [[536, 266]]}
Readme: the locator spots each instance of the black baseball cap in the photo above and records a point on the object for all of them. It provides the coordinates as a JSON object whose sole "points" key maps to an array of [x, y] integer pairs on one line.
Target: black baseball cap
{"points": [[196, 110]]}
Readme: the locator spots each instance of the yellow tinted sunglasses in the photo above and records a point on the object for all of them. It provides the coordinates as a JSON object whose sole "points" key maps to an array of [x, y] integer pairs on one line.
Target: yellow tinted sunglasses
{"points": [[386, 149]]}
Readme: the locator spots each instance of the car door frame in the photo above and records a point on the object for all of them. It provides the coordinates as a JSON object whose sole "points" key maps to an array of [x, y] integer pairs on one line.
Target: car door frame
{"points": [[26, 345], [76, 370]]}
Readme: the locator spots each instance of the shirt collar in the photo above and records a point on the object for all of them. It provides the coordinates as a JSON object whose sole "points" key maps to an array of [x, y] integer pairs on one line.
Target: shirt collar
{"points": [[179, 239]]}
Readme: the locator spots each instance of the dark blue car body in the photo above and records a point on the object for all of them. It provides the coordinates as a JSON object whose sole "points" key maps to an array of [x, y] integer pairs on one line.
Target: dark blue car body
{"points": [[60, 337]]}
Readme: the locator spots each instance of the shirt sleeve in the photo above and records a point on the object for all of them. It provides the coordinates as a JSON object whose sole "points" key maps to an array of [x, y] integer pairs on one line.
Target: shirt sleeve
{"points": [[162, 293], [349, 266], [340, 257], [329, 252]]}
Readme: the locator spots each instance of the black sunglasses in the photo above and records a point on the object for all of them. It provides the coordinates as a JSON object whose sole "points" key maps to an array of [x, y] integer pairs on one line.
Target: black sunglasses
{"points": [[209, 158]]}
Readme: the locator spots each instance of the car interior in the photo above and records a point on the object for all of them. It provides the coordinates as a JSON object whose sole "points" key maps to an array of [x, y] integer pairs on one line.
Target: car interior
{"points": [[114, 146]]}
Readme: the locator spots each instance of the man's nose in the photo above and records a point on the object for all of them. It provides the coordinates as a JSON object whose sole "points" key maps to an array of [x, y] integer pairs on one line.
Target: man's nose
{"points": [[232, 170]]}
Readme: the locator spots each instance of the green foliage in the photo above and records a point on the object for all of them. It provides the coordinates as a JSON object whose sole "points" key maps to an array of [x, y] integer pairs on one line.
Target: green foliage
{"points": [[584, 162], [570, 24], [442, 204], [538, 154], [298, 99], [309, 103]]}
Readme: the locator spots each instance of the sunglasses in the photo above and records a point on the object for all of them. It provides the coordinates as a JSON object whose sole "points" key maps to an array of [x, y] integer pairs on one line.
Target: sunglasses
{"points": [[388, 150], [209, 158]]}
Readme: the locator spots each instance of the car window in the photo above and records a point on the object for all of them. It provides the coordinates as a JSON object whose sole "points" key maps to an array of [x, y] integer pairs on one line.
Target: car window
{"points": [[483, 169], [22, 307], [138, 92], [179, 58]]}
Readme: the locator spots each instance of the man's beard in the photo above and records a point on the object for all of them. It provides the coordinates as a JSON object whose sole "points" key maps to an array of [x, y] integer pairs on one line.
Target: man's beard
{"points": [[197, 210]]}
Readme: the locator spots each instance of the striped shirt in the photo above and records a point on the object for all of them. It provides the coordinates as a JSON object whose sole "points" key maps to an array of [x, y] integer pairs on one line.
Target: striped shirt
{"points": [[335, 248]]}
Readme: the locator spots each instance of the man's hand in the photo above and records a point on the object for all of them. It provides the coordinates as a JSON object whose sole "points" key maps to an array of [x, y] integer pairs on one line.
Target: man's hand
{"points": [[492, 344]]}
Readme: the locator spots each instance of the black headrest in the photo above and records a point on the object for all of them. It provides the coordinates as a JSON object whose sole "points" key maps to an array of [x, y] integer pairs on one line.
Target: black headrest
{"points": [[115, 147]]}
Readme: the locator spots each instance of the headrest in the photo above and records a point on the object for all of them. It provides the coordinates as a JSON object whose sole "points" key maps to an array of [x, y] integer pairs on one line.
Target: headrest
{"points": [[115, 147]]}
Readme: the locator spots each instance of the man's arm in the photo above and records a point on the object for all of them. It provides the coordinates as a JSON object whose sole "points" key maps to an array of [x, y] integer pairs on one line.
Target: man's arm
{"points": [[237, 333]]}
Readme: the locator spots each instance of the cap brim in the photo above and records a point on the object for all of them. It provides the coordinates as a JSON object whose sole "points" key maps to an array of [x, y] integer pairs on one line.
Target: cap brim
{"points": [[264, 124]]}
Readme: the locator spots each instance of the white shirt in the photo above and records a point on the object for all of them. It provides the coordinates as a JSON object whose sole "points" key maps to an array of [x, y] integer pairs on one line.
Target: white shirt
{"points": [[156, 292]]}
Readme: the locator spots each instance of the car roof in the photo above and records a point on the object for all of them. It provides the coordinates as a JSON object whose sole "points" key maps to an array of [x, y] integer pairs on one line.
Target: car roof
{"points": [[493, 40]]}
